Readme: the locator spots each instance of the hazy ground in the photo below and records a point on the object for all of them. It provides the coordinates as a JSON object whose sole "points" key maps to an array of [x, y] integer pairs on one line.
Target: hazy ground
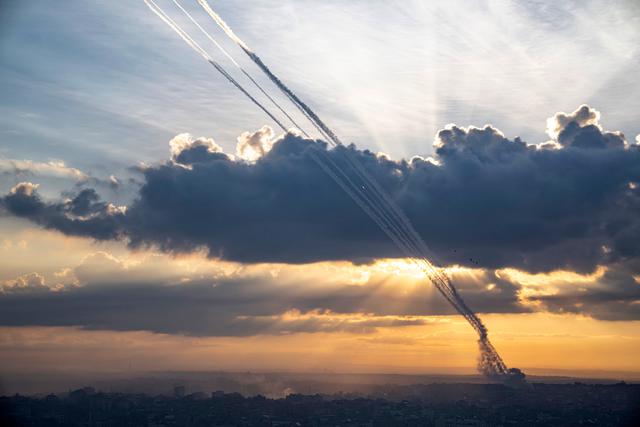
{"points": [[272, 385]]}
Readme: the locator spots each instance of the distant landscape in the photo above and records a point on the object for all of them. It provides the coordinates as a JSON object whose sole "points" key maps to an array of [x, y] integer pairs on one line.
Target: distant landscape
{"points": [[248, 399], [268, 384]]}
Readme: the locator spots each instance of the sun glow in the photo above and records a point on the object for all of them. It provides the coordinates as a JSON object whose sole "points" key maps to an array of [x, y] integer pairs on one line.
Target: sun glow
{"points": [[400, 267]]}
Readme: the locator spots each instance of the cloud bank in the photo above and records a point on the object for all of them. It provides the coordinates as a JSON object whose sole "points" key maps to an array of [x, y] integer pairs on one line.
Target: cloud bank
{"points": [[571, 203], [104, 292], [159, 295]]}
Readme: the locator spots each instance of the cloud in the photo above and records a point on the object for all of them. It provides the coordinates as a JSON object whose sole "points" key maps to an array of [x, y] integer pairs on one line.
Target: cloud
{"points": [[159, 295], [252, 146], [583, 116], [13, 172], [582, 129], [185, 149], [28, 283], [83, 215], [27, 168], [24, 189], [104, 292], [613, 296], [199, 309], [484, 200]]}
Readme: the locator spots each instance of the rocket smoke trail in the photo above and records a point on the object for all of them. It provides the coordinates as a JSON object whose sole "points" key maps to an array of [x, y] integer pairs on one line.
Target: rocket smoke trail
{"points": [[379, 206], [362, 188], [394, 222], [374, 189], [234, 62], [195, 46], [320, 156]]}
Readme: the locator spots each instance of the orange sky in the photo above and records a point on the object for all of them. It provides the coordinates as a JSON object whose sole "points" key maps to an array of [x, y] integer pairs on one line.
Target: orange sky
{"points": [[539, 341]]}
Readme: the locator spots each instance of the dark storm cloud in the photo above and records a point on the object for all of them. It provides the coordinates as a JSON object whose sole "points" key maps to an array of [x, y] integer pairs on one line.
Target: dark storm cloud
{"points": [[615, 296], [83, 215], [105, 295], [109, 297], [192, 309], [488, 201]]}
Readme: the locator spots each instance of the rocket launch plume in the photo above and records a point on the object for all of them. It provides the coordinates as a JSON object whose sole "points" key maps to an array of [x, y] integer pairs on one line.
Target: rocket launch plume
{"points": [[359, 185], [394, 221]]}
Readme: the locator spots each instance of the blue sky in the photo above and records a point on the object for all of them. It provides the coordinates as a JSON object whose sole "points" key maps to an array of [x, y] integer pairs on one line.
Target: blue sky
{"points": [[103, 85]]}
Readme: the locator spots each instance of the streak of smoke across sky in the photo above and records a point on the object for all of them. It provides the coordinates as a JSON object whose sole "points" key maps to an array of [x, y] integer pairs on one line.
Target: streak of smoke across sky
{"points": [[360, 186]]}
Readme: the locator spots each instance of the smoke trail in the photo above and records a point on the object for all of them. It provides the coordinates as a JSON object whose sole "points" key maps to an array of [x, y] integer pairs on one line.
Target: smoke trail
{"points": [[315, 120], [373, 196], [234, 62], [442, 283], [322, 128], [333, 138], [195, 46], [375, 190], [339, 176], [376, 214], [325, 161], [490, 362], [405, 238], [228, 31]]}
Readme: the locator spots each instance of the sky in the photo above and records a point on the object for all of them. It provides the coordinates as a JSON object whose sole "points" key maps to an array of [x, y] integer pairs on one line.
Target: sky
{"points": [[150, 215]]}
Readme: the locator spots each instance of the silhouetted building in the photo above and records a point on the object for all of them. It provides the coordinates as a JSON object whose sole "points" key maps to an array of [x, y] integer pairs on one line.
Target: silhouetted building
{"points": [[178, 391]]}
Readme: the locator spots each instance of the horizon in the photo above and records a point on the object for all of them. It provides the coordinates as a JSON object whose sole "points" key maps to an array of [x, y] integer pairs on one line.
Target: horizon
{"points": [[164, 382]]}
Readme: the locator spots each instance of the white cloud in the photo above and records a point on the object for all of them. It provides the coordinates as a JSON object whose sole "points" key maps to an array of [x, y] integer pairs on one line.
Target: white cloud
{"points": [[252, 146], [32, 282], [184, 141], [583, 115], [53, 168]]}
